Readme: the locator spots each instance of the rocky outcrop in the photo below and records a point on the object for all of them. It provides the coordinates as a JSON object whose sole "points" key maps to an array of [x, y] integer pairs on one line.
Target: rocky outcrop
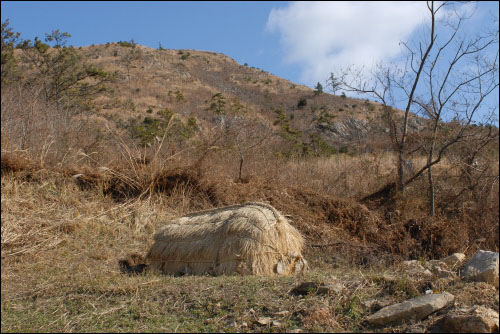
{"points": [[416, 123], [347, 129]]}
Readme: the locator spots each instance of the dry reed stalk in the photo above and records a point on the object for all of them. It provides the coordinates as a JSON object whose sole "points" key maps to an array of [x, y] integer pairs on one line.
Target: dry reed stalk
{"points": [[250, 239]]}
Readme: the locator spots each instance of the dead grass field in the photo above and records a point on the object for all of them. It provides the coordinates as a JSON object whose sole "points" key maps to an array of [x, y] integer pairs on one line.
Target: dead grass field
{"points": [[61, 246]]}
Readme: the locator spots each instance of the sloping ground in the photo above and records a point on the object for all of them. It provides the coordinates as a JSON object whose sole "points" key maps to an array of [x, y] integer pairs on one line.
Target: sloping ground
{"points": [[65, 228], [184, 82], [328, 223], [61, 245]]}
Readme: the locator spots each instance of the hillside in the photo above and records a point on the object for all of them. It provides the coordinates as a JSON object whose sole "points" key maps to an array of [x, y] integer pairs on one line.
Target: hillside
{"points": [[103, 145], [184, 81], [163, 119]]}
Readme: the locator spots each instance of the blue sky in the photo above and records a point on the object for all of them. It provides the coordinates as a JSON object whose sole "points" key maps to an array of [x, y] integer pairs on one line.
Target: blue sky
{"points": [[299, 41], [237, 29]]}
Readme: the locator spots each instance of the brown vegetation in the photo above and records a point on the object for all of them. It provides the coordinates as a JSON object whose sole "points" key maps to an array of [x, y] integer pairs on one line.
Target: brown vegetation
{"points": [[197, 171], [249, 239], [86, 185]]}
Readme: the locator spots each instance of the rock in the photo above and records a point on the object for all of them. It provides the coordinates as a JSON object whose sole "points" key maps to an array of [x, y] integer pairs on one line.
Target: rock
{"points": [[453, 260], [373, 305], [231, 323], [449, 262], [329, 288], [416, 124], [282, 313], [348, 128], [476, 319], [275, 323], [410, 263], [389, 278], [264, 321], [482, 267], [370, 305], [415, 328], [415, 268], [413, 309], [296, 330], [442, 273]]}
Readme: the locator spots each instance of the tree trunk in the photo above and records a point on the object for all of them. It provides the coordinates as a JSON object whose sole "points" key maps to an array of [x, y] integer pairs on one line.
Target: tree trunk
{"points": [[241, 166], [401, 184], [429, 163], [431, 193]]}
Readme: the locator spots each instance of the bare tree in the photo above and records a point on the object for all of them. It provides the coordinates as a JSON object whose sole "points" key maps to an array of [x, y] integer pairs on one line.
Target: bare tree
{"points": [[129, 58], [447, 76], [247, 137], [235, 132]]}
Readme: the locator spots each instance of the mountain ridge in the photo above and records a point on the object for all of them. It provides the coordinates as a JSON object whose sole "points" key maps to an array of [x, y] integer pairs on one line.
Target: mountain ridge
{"points": [[184, 81]]}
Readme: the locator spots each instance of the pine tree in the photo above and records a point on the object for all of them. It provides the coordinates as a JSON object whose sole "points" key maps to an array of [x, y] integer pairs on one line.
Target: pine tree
{"points": [[319, 89]]}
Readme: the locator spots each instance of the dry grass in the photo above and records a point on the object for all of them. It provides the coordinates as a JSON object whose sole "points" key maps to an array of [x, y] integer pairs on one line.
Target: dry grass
{"points": [[62, 235], [249, 239], [60, 247], [341, 175]]}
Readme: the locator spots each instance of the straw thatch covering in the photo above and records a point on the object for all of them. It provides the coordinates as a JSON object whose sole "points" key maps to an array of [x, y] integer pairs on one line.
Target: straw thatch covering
{"points": [[250, 239]]}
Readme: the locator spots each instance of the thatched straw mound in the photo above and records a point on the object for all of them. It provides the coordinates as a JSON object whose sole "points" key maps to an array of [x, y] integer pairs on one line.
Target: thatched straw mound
{"points": [[250, 239]]}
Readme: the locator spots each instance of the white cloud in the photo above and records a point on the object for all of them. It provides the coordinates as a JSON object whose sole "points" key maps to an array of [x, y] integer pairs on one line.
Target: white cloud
{"points": [[323, 36]]}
